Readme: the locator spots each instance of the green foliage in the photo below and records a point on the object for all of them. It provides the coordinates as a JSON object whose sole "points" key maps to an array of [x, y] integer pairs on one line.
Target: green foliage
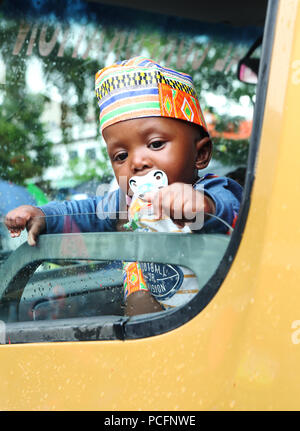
{"points": [[88, 169], [25, 149], [231, 152], [225, 121]]}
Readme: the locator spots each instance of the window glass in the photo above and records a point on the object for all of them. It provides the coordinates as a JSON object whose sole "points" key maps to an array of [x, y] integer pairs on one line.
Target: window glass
{"points": [[52, 149], [91, 153]]}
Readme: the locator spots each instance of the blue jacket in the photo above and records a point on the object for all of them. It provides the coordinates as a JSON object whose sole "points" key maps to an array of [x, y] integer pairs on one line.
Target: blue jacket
{"points": [[100, 213]]}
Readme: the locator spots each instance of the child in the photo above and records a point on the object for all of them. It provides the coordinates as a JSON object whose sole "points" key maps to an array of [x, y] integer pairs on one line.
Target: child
{"points": [[150, 118]]}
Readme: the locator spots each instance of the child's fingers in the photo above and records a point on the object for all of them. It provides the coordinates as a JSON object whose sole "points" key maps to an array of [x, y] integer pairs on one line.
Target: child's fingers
{"points": [[15, 233], [152, 198], [177, 209], [156, 199], [192, 203], [21, 221], [148, 196], [32, 238], [162, 202], [15, 229], [16, 221], [35, 227], [25, 217], [178, 201]]}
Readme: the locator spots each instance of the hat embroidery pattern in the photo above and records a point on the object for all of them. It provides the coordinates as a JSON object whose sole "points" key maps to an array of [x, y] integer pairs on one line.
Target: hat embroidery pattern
{"points": [[139, 87]]}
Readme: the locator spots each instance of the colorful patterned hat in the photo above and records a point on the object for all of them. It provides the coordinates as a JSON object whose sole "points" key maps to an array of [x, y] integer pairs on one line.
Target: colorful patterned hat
{"points": [[139, 87]]}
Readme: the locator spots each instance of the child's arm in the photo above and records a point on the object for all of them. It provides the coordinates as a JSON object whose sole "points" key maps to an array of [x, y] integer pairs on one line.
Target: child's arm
{"points": [[227, 196], [219, 196], [141, 302], [29, 217], [97, 214]]}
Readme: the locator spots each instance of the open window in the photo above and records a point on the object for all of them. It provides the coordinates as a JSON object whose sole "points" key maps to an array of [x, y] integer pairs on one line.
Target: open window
{"points": [[70, 287]]}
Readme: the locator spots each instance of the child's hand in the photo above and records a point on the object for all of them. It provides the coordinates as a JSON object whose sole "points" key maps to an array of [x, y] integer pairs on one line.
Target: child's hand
{"points": [[26, 216], [180, 202]]}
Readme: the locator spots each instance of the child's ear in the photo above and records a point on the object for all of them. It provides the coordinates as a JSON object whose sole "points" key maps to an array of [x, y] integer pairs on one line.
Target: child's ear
{"points": [[204, 152]]}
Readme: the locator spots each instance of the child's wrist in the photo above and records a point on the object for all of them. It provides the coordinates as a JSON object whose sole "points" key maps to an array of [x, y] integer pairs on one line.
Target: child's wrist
{"points": [[209, 205]]}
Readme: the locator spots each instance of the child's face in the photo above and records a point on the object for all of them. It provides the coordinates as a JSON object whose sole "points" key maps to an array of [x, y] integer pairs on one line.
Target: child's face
{"points": [[137, 146]]}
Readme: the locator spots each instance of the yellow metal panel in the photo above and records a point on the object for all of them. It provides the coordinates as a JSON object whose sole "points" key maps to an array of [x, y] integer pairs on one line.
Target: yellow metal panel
{"points": [[241, 351]]}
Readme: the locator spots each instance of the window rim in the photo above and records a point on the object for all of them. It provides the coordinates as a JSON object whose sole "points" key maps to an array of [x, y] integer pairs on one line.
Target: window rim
{"points": [[141, 327], [144, 326]]}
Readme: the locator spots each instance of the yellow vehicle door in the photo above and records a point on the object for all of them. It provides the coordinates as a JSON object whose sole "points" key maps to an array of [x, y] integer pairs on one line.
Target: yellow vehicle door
{"points": [[65, 341]]}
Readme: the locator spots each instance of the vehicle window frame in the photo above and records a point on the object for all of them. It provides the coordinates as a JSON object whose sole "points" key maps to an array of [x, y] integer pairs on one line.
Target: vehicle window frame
{"points": [[124, 328], [149, 327]]}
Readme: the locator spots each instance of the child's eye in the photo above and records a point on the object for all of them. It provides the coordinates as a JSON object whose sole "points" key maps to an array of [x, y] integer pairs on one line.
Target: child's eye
{"points": [[156, 145], [120, 157]]}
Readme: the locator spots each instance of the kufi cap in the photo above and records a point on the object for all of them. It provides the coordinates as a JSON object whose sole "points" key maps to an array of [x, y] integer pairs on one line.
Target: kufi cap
{"points": [[140, 87]]}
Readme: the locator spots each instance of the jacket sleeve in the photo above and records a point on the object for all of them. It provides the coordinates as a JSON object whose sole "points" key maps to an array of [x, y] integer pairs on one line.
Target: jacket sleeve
{"points": [[226, 195], [97, 214]]}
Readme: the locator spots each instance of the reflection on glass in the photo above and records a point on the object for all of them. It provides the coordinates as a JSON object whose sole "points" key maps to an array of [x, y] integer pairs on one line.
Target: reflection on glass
{"points": [[49, 133], [63, 288], [72, 281], [247, 75], [50, 60]]}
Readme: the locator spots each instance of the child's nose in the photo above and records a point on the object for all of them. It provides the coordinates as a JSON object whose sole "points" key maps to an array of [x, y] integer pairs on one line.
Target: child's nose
{"points": [[140, 161]]}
